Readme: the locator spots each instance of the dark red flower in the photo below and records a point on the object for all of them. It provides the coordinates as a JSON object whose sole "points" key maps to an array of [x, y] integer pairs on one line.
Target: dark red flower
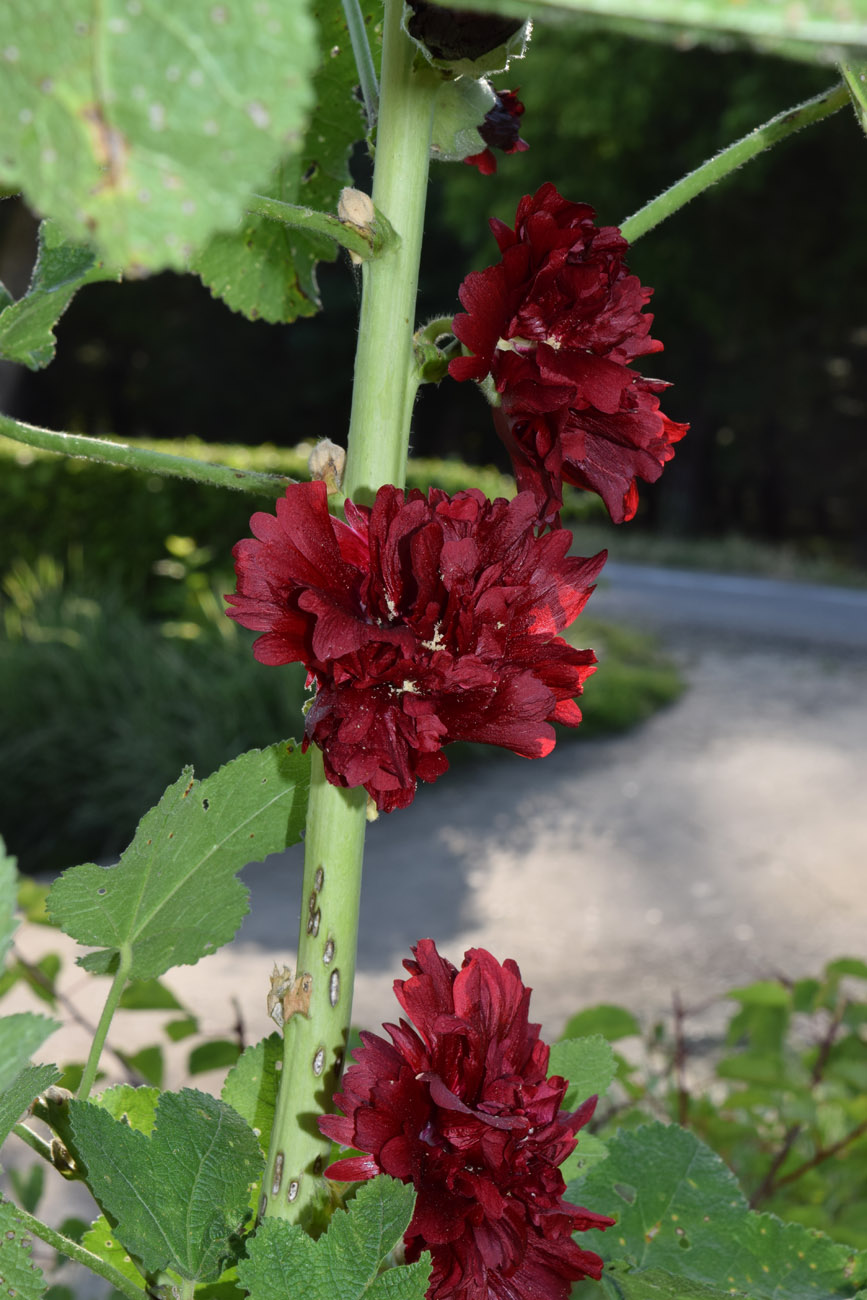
{"points": [[423, 620], [461, 1108], [557, 323], [500, 131]]}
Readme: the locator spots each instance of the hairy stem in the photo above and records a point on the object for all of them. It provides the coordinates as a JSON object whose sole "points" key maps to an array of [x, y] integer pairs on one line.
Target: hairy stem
{"points": [[384, 372], [696, 182], [143, 458], [111, 1004], [316, 1029], [72, 1250], [317, 1004]]}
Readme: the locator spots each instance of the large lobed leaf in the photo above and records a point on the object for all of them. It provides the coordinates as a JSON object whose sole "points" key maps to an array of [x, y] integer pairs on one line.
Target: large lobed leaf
{"points": [[681, 1215], [180, 1195], [265, 269], [344, 1264], [143, 124], [174, 896], [27, 326]]}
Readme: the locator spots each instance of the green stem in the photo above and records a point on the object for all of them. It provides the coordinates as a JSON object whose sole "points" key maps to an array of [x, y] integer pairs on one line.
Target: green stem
{"points": [[316, 1034], [314, 1044], [384, 370], [366, 246], [696, 182], [33, 1140], [143, 458], [363, 59], [111, 1004], [72, 1250]]}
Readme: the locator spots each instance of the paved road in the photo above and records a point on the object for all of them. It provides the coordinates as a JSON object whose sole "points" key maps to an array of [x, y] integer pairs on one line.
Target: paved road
{"points": [[749, 607], [723, 841]]}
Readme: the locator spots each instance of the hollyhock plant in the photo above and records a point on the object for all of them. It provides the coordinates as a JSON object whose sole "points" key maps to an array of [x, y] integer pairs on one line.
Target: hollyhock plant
{"points": [[557, 324], [460, 1106], [500, 131], [423, 620]]}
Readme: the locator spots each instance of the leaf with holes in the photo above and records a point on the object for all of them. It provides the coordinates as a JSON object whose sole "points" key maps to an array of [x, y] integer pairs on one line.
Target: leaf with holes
{"points": [[588, 1064], [679, 1209], [179, 1196], [174, 896], [27, 326], [344, 1264], [265, 269], [144, 124], [20, 1276]]}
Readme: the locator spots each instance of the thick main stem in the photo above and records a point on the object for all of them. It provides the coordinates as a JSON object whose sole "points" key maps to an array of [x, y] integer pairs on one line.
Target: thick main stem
{"points": [[318, 1002]]}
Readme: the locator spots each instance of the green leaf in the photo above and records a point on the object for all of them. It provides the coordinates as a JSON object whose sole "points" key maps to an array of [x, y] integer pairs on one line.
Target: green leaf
{"points": [[214, 1055], [101, 1241], [144, 125], [589, 1152], [180, 1195], [28, 1185], [20, 1036], [21, 1277], [265, 269], [612, 1022], [148, 995], [148, 1063], [251, 1085], [344, 1264], [17, 1096], [813, 31], [8, 891], [136, 1107], [657, 1284], [679, 1208], [27, 327], [588, 1064], [764, 993], [174, 896], [176, 1030]]}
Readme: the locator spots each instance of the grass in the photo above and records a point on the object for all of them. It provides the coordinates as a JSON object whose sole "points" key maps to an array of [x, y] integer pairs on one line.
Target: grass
{"points": [[100, 709]]}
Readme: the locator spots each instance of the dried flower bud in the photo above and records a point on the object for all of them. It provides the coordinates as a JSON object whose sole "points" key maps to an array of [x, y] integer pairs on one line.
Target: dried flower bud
{"points": [[327, 462]]}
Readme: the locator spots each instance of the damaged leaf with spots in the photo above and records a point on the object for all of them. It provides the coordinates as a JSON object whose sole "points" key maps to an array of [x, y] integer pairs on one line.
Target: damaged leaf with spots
{"points": [[141, 125], [174, 897], [682, 1216], [267, 270]]}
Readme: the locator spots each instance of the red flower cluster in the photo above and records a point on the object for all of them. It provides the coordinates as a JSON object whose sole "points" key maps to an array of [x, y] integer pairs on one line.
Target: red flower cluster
{"points": [[500, 131], [461, 1108], [423, 620], [557, 323]]}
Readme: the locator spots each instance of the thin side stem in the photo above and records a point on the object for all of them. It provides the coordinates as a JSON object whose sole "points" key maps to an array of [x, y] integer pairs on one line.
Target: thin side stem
{"points": [[696, 182], [381, 401], [363, 59], [72, 1250], [322, 223], [111, 1004], [316, 1032], [142, 458], [34, 1141]]}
